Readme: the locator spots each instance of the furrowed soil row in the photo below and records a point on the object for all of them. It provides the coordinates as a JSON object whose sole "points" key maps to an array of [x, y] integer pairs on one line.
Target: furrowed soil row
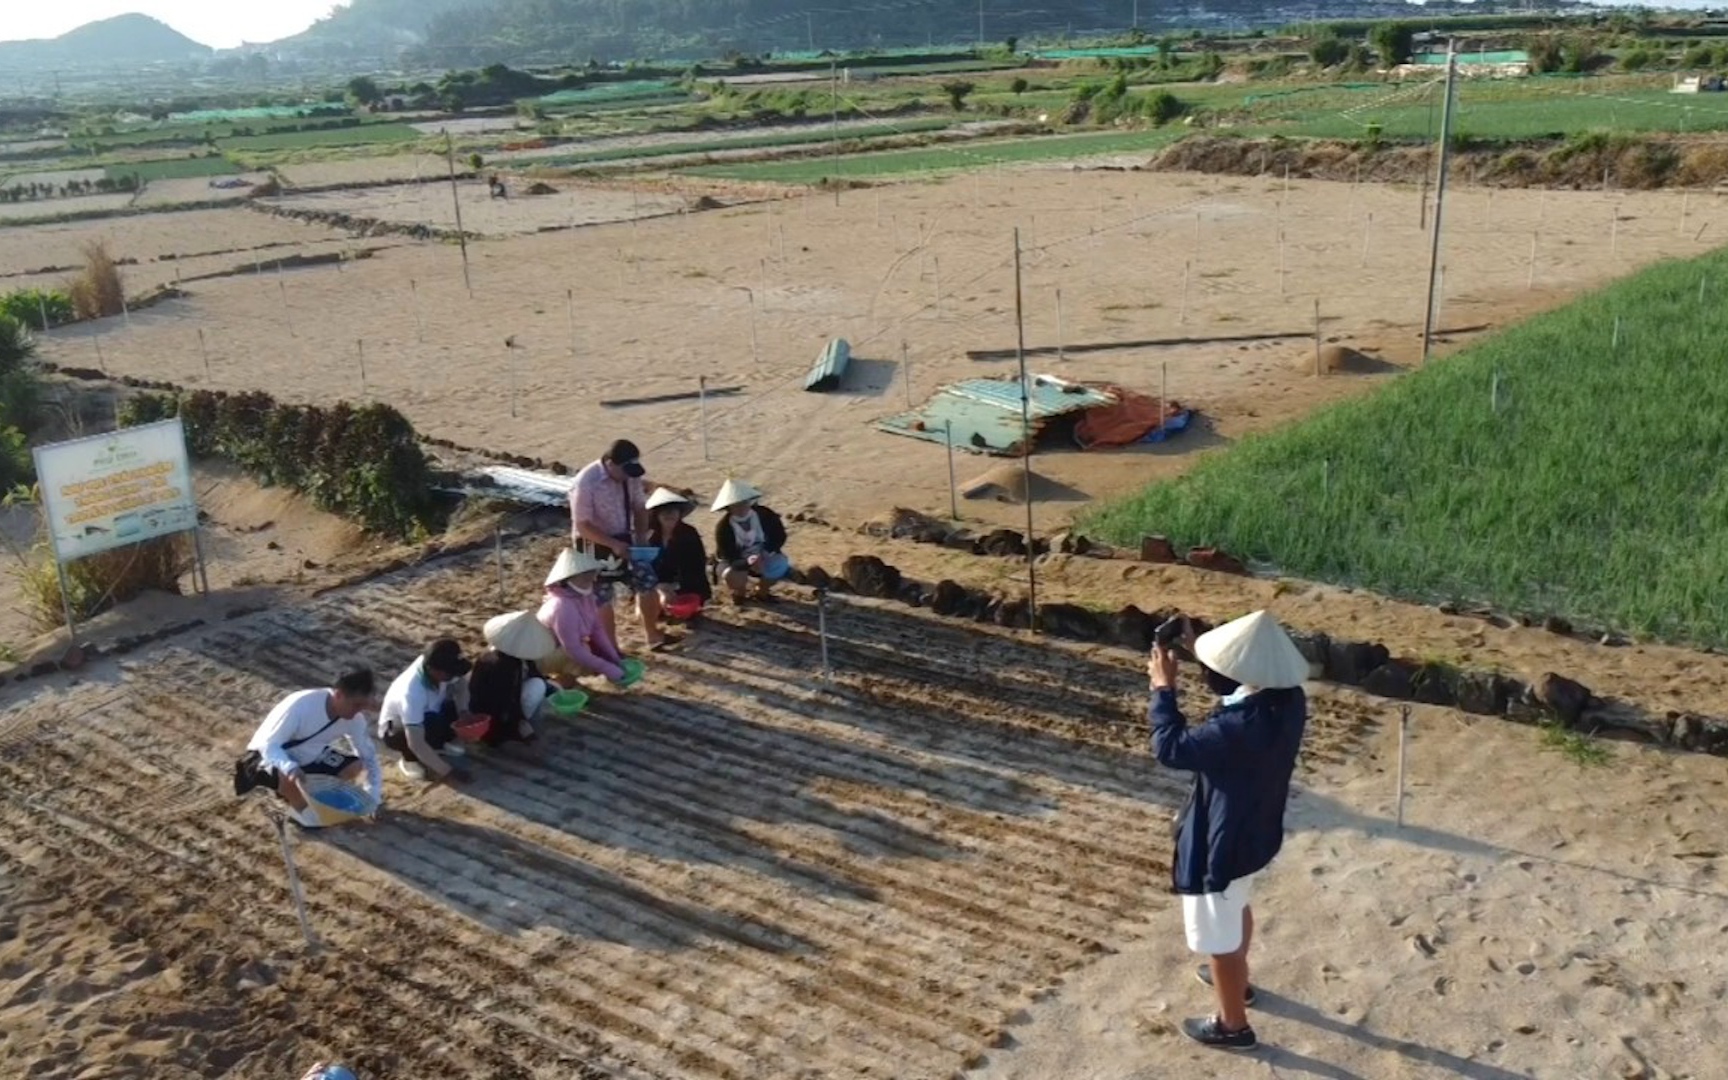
{"points": [[680, 990], [760, 751], [244, 853], [740, 878], [122, 860], [878, 887]]}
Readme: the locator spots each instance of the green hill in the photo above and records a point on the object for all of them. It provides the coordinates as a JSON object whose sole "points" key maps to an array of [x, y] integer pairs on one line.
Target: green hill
{"points": [[124, 39], [1597, 490]]}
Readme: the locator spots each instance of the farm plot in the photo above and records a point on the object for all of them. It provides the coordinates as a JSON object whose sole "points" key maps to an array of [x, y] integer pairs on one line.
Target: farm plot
{"points": [[151, 237], [726, 873], [360, 135], [430, 204]]}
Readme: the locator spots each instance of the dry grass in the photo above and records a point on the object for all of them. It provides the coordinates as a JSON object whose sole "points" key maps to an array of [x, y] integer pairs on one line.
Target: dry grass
{"points": [[97, 291], [99, 582]]}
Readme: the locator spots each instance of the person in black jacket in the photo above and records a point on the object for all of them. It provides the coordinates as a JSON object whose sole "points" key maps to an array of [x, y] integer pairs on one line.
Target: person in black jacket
{"points": [[1242, 758], [505, 683], [682, 564], [749, 541]]}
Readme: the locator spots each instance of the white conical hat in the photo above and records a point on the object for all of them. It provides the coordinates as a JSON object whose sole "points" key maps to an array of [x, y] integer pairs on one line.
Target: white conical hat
{"points": [[572, 562], [668, 497], [1255, 651], [733, 493], [519, 634]]}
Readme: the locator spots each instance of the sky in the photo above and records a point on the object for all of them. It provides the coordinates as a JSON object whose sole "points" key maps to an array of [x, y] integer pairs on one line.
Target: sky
{"points": [[221, 23]]}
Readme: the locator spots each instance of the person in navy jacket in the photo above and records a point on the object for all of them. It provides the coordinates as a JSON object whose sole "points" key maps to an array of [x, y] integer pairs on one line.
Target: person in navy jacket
{"points": [[1242, 759]]}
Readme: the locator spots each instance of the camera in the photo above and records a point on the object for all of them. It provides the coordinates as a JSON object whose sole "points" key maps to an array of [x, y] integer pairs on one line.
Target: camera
{"points": [[1171, 632]]}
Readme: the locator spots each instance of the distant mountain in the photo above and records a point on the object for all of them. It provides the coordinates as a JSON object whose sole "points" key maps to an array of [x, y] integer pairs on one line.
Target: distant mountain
{"points": [[120, 41], [369, 28], [470, 33]]}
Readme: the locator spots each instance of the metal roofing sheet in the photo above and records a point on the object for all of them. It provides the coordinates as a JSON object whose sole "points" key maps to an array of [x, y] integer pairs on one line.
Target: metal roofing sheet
{"points": [[529, 485], [830, 367], [1050, 396], [984, 414]]}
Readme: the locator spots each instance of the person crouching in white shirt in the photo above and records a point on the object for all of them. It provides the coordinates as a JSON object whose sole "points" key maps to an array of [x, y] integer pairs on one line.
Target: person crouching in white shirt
{"points": [[421, 710], [300, 738]]}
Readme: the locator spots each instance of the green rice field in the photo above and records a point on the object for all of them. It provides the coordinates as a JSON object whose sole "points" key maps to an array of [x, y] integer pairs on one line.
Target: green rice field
{"points": [[175, 168], [929, 159], [348, 136], [1546, 470]]}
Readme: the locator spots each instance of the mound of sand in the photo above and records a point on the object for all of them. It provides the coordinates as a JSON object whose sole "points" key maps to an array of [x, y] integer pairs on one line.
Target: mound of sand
{"points": [[1338, 358], [538, 188], [1008, 483]]}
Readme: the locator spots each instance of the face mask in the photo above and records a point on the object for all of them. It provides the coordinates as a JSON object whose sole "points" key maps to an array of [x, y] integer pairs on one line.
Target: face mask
{"points": [[582, 590]]}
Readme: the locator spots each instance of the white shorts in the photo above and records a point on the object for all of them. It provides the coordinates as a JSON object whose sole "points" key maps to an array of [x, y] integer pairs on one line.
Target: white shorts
{"points": [[1214, 921]]}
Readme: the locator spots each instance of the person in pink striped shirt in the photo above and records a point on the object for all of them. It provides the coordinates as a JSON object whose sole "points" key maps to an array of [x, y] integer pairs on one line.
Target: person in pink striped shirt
{"points": [[609, 515]]}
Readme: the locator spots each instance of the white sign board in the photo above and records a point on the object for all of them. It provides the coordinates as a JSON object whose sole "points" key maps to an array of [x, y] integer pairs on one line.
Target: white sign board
{"points": [[107, 491]]}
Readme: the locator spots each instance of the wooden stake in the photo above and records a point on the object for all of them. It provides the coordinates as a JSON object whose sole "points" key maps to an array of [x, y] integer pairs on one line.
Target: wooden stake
{"points": [[1281, 277], [953, 498], [1060, 355], [1367, 232], [360, 351], [1316, 335], [294, 888], [1614, 343], [1531, 284], [414, 299], [205, 351], [936, 268], [1187, 268], [1685, 201], [1163, 393], [42, 306], [287, 316], [570, 316], [702, 403], [1403, 739]]}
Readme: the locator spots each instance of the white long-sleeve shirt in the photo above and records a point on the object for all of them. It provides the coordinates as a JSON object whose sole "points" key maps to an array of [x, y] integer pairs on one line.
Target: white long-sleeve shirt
{"points": [[301, 715]]}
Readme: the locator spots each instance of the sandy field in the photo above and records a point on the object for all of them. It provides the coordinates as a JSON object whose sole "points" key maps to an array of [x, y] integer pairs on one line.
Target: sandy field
{"points": [[197, 189], [149, 237], [365, 170], [82, 204], [950, 859], [747, 296], [431, 204]]}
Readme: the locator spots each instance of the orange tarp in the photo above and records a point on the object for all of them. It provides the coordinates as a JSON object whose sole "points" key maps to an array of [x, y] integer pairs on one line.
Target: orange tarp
{"points": [[1125, 423]]}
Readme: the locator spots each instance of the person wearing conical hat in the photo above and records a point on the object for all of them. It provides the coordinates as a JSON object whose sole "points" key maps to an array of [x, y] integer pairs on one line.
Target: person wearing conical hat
{"points": [[748, 541], [585, 646], [505, 683], [682, 565], [1242, 758]]}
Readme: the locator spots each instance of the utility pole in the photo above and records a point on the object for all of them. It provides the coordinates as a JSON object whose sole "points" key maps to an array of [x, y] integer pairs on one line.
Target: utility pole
{"points": [[834, 94], [456, 199], [980, 24], [1439, 196], [1026, 437], [810, 30], [1136, 25]]}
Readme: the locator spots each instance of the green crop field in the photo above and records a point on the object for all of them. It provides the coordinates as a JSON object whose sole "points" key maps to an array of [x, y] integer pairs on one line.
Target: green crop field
{"points": [[966, 155], [1598, 489], [174, 168], [346, 136], [811, 136]]}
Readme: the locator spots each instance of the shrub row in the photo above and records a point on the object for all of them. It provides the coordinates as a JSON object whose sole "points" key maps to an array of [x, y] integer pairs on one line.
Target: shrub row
{"points": [[363, 462], [1368, 666]]}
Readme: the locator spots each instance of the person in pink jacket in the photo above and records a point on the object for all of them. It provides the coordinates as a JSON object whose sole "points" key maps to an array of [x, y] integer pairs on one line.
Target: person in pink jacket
{"points": [[573, 616]]}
